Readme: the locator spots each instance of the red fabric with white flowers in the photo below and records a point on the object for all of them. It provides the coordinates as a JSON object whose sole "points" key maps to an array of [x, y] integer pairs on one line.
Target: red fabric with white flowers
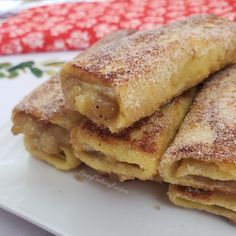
{"points": [[72, 26]]}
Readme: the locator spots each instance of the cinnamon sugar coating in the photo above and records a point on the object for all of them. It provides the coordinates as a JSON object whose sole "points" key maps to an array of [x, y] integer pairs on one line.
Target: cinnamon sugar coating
{"points": [[149, 67], [208, 132]]}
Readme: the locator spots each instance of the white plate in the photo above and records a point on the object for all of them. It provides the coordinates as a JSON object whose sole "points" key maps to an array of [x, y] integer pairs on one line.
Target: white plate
{"points": [[94, 205], [61, 204]]}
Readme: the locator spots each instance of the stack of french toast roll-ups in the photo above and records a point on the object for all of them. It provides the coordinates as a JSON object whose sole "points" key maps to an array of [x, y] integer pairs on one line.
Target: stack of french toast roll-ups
{"points": [[151, 105]]}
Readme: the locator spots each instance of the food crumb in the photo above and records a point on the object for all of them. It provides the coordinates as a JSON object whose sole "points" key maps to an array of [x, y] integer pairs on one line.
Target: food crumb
{"points": [[79, 178]]}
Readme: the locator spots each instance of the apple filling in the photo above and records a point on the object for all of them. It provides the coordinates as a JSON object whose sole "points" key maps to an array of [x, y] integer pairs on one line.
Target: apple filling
{"points": [[96, 102], [46, 141], [46, 137]]}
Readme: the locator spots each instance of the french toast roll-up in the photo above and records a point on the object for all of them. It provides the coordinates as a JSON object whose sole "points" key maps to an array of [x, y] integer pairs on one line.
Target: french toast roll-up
{"points": [[45, 119], [215, 202], [130, 79], [203, 154], [134, 152]]}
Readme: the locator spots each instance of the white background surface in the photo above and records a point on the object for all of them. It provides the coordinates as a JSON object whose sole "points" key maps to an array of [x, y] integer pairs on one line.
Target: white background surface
{"points": [[61, 204]]}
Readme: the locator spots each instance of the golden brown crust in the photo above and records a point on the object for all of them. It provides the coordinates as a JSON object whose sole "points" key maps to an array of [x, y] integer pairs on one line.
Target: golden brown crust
{"points": [[136, 151], [145, 142], [145, 135], [116, 63], [47, 105], [215, 202], [214, 109], [203, 154], [45, 119], [149, 67], [45, 102]]}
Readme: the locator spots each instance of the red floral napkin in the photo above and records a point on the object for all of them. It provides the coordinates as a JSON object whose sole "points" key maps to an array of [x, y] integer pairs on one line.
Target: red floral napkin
{"points": [[72, 26]]}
